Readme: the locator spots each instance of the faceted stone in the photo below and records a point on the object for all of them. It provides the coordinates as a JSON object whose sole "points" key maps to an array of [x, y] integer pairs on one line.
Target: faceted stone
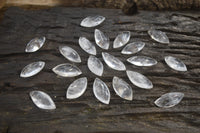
{"points": [[101, 39], [35, 44], [139, 80], [95, 65], [133, 48], [32, 69], [87, 46], [42, 100], [76, 88], [169, 99], [175, 63], [142, 61], [92, 21], [121, 39], [122, 88], [158, 36]]}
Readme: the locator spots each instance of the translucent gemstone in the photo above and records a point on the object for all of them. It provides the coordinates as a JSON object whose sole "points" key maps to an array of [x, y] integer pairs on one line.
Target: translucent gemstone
{"points": [[121, 39], [101, 39], [32, 69], [122, 88], [87, 46], [113, 62], [67, 70], [70, 54], [158, 36], [35, 44], [142, 61], [42, 100], [175, 63], [101, 91], [92, 21], [133, 48], [95, 65], [139, 80], [169, 99], [77, 88]]}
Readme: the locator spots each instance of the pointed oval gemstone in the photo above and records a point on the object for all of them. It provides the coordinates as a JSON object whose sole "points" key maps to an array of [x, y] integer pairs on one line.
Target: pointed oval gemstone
{"points": [[95, 65], [101, 39], [133, 48], [67, 70], [113, 62], [42, 100], [175, 63], [121, 39], [101, 91], [87, 46], [92, 21], [142, 61], [76, 88], [122, 88], [32, 69], [139, 80], [35, 44], [158, 36], [169, 99], [70, 54]]}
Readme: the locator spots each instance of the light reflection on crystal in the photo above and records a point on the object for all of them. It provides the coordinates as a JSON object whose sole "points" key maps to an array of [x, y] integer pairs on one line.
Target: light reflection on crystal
{"points": [[101, 39], [121, 39], [142, 61], [175, 63], [95, 65], [133, 48], [92, 21], [158, 36], [87, 46], [35, 44]]}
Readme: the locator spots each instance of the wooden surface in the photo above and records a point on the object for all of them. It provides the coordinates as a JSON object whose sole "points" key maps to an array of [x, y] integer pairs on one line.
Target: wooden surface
{"points": [[18, 114]]}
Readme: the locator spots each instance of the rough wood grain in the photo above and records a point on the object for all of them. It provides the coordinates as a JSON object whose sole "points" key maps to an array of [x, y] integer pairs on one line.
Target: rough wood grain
{"points": [[61, 26]]}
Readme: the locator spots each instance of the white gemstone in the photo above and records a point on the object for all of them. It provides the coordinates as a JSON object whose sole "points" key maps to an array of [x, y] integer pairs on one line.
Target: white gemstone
{"points": [[175, 63], [121, 39], [101, 91], [95, 65], [169, 99], [113, 62], [42, 100], [76, 88], [158, 36], [142, 61], [35, 44], [92, 21], [87, 46], [67, 70], [101, 39], [70, 54], [32, 69], [122, 88], [133, 48], [139, 80]]}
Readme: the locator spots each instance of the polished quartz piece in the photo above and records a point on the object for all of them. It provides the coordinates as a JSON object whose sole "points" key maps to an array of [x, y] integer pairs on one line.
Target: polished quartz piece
{"points": [[133, 48], [175, 63], [76, 88], [101, 91], [87, 46], [67, 70], [42, 100], [35, 44], [169, 99], [32, 69], [158, 36], [92, 21], [139, 80], [113, 62], [122, 88], [121, 39], [95, 65], [101, 39], [142, 61]]}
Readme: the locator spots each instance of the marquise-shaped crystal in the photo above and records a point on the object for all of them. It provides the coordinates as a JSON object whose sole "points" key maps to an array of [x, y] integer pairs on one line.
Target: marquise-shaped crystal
{"points": [[121, 39], [76, 88], [142, 61], [175, 63], [35, 44], [101, 91], [95, 65], [92, 21], [139, 80], [122, 88], [87, 46], [113, 62], [67, 70], [169, 99], [133, 48], [101, 39], [32, 69], [42, 100], [158, 36]]}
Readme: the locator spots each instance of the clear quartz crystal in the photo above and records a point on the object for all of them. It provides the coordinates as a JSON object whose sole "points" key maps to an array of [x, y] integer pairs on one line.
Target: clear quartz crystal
{"points": [[175, 63], [101, 39], [133, 48], [169, 99], [92, 21], [76, 88], [42, 100], [121, 39], [122, 88], [95, 65], [158, 36], [32, 69], [142, 61], [87, 46], [35, 44]]}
